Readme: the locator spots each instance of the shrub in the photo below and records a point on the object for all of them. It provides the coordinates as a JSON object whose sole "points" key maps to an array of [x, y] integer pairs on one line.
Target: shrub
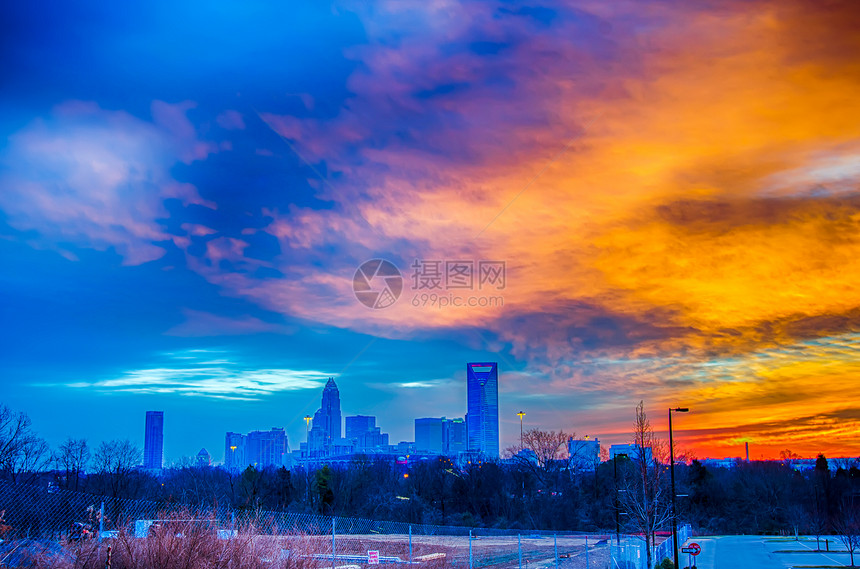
{"points": [[185, 542]]}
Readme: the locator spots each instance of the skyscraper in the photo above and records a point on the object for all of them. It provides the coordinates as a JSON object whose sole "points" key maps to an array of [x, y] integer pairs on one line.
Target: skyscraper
{"points": [[327, 427], [234, 451], [455, 442], [258, 449], [266, 448], [482, 420], [365, 436], [357, 425], [430, 435], [153, 440]]}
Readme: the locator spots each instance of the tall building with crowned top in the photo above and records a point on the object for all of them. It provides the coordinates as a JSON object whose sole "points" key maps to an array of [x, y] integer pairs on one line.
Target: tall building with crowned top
{"points": [[482, 419], [327, 424]]}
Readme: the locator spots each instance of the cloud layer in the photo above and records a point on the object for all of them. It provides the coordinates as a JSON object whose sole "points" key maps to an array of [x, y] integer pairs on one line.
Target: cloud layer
{"points": [[672, 187]]}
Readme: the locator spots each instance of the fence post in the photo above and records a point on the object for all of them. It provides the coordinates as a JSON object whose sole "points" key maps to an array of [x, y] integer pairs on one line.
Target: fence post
{"points": [[586, 552], [410, 543], [332, 541], [555, 548], [612, 555], [520, 550], [101, 520], [470, 549]]}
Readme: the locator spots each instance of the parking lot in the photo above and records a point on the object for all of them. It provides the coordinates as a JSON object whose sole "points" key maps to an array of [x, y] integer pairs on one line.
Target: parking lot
{"points": [[765, 552]]}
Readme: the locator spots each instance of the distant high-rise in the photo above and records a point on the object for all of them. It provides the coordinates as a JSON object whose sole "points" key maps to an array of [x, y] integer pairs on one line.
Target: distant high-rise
{"points": [[204, 458], [327, 428], [482, 420], [456, 439], [153, 440], [365, 436], [266, 448], [584, 453], [234, 451], [632, 452], [357, 425], [258, 449], [430, 435]]}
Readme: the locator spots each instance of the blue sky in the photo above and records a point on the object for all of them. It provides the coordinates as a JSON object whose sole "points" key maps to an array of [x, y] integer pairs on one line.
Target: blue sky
{"points": [[187, 190]]}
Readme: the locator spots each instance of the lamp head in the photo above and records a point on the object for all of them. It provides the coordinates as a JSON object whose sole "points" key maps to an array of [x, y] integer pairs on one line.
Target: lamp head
{"points": [[680, 409]]}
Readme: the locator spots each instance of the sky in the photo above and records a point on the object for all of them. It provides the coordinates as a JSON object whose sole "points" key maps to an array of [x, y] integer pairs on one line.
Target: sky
{"points": [[616, 202]]}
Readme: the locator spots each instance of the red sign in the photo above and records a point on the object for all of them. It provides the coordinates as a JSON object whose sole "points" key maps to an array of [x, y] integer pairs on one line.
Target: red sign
{"points": [[693, 549], [373, 557]]}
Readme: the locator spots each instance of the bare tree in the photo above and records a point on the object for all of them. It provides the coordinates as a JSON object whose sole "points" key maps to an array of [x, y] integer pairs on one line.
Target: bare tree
{"points": [[819, 519], [22, 452], [115, 461], [645, 498], [788, 457], [73, 456], [544, 453], [847, 526]]}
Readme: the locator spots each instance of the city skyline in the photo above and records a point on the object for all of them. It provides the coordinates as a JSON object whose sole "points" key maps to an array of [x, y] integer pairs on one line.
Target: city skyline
{"points": [[617, 440], [614, 201], [241, 450]]}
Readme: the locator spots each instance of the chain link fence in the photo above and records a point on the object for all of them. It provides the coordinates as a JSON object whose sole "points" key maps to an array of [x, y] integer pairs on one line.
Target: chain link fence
{"points": [[50, 513], [628, 552]]}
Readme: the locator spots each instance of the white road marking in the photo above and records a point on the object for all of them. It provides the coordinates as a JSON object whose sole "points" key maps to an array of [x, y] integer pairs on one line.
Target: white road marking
{"points": [[823, 555]]}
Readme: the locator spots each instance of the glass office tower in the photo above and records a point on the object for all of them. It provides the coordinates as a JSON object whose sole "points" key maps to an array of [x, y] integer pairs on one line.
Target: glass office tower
{"points": [[153, 440], [482, 420]]}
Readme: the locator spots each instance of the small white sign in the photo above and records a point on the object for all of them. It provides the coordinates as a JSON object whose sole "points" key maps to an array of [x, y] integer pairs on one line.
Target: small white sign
{"points": [[373, 557]]}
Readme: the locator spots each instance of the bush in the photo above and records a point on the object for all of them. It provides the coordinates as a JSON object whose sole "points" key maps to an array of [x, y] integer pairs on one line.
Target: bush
{"points": [[182, 541], [665, 564]]}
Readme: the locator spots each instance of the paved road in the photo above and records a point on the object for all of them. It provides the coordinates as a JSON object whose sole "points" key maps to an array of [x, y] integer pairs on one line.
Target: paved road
{"points": [[756, 552]]}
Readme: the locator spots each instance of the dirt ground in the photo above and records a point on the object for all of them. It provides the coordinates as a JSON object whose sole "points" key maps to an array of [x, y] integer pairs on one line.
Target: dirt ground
{"points": [[438, 552]]}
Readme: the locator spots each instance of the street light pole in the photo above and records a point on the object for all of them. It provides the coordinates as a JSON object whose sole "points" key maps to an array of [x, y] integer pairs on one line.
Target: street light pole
{"points": [[308, 434], [308, 462], [521, 414], [617, 520], [617, 505], [672, 470]]}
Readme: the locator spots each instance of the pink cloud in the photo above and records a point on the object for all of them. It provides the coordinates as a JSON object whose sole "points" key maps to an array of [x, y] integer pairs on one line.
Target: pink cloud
{"points": [[197, 230], [174, 120], [231, 120]]}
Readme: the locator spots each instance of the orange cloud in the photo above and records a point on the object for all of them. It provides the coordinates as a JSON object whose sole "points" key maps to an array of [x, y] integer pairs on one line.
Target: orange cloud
{"points": [[681, 194]]}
